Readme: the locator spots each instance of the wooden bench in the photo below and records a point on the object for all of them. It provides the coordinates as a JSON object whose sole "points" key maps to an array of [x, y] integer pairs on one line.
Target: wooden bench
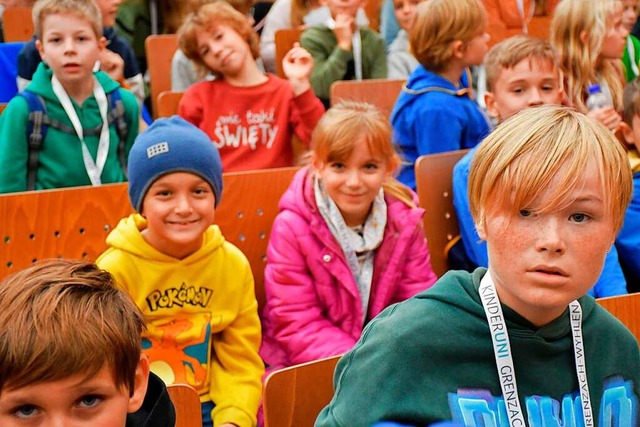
{"points": [[74, 222]]}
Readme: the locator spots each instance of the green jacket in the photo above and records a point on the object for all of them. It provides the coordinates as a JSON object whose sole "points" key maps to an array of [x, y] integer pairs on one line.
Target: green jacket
{"points": [[431, 358], [60, 161], [626, 57], [330, 62]]}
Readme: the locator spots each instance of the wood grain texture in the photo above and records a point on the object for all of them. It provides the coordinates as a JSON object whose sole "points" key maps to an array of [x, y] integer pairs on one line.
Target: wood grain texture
{"points": [[294, 396], [186, 401], [382, 93], [626, 308], [17, 25], [159, 50], [168, 102]]}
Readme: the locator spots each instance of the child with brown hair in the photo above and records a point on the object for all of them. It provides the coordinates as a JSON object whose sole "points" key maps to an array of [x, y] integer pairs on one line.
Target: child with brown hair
{"points": [[519, 343], [250, 116], [70, 352], [347, 243], [435, 111]]}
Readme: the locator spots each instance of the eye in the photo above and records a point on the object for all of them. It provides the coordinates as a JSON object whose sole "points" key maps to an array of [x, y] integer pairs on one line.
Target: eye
{"points": [[371, 166], [90, 401], [54, 40], [162, 193], [337, 165], [525, 213], [200, 191], [204, 51], [25, 411], [579, 217], [517, 89], [548, 88]]}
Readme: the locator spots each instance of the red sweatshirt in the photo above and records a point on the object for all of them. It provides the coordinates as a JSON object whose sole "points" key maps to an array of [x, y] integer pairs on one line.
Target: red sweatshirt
{"points": [[252, 126]]}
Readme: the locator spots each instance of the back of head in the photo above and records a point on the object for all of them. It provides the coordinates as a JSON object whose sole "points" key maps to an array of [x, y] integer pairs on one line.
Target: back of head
{"points": [[86, 9], [348, 123], [631, 101], [172, 145], [510, 52], [578, 30], [206, 18], [438, 23], [64, 318], [516, 163]]}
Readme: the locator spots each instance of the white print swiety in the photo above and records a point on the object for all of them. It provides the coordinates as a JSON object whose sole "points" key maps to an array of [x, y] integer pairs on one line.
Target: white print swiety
{"points": [[233, 130]]}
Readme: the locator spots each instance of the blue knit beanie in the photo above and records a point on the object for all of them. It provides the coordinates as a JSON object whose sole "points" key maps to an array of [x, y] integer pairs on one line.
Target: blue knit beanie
{"points": [[167, 146]]}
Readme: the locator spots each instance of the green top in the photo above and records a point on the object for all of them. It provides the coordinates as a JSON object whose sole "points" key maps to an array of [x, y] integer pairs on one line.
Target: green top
{"points": [[330, 62], [626, 57], [431, 358], [60, 162]]}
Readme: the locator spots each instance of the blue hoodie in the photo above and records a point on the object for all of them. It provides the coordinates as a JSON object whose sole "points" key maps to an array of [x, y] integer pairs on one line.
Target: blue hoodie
{"points": [[611, 281], [628, 240], [434, 116]]}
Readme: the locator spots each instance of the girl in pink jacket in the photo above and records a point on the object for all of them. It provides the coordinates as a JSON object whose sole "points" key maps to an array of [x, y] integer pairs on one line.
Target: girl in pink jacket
{"points": [[347, 243]]}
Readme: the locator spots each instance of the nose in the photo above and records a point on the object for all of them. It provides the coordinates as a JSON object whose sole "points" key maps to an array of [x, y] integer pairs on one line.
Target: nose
{"points": [[406, 7], [183, 205], [353, 179], [535, 98], [550, 237], [69, 45]]}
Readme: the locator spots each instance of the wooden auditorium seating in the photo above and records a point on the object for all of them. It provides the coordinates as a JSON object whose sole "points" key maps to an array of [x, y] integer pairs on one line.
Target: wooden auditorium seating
{"points": [[285, 39], [382, 93], [74, 222], [168, 102], [17, 24], [626, 308], [433, 184], [294, 396], [186, 402], [159, 50]]}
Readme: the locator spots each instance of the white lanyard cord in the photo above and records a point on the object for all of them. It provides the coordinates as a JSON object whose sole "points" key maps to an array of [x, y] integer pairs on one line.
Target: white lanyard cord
{"points": [[520, 4], [632, 57], [357, 53], [504, 359], [93, 169]]}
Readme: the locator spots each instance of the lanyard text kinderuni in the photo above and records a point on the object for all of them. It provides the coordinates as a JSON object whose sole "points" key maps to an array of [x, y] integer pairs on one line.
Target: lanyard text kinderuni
{"points": [[504, 360], [94, 169]]}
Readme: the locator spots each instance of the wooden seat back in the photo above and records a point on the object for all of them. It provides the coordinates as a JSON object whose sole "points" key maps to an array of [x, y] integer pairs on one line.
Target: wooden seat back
{"points": [[285, 39], [17, 24], [382, 93], [159, 50], [186, 402], [434, 186], [626, 309], [168, 102], [74, 222], [294, 396]]}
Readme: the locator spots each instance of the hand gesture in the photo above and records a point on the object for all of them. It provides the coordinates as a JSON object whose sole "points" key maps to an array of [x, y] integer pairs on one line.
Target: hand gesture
{"points": [[297, 64], [343, 30], [112, 64], [606, 116]]}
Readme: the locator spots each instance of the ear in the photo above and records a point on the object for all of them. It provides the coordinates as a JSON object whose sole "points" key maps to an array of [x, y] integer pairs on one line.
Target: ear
{"points": [[140, 386], [40, 49], [490, 102], [627, 134], [583, 37], [480, 228], [102, 44], [457, 48], [317, 164]]}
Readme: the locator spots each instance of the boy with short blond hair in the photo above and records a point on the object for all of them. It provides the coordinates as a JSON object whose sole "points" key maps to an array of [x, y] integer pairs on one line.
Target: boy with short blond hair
{"points": [[194, 288], [519, 343], [628, 240], [72, 126], [70, 352], [522, 72], [435, 111], [342, 50]]}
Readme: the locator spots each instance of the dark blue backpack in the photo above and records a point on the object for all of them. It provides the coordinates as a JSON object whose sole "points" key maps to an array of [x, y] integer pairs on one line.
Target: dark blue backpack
{"points": [[39, 123]]}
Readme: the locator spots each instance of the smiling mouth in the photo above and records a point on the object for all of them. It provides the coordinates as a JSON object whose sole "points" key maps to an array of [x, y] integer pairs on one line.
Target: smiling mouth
{"points": [[549, 270], [193, 221]]}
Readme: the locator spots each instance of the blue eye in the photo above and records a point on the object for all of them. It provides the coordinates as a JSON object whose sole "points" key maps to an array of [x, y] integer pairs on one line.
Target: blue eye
{"points": [[25, 411], [579, 217], [90, 401]]}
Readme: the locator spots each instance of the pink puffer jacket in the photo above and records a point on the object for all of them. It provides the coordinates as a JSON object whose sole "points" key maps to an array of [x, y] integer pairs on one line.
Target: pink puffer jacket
{"points": [[313, 306]]}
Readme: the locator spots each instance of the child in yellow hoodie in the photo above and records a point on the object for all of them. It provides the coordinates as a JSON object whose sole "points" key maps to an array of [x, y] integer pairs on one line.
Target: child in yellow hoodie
{"points": [[195, 289]]}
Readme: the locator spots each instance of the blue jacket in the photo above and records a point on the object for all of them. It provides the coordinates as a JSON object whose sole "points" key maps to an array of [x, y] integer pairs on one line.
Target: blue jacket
{"points": [[433, 116], [611, 281], [628, 241]]}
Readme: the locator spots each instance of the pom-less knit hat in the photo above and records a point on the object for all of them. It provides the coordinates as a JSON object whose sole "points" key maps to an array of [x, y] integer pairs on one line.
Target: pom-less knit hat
{"points": [[167, 146]]}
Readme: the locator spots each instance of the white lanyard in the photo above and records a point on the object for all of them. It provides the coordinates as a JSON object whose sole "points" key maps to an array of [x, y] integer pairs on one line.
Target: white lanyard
{"points": [[94, 169], [520, 4], [504, 360], [632, 57], [357, 53]]}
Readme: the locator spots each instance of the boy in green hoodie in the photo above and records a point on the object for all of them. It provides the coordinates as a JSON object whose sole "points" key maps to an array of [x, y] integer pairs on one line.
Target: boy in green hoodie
{"points": [[519, 343], [89, 122]]}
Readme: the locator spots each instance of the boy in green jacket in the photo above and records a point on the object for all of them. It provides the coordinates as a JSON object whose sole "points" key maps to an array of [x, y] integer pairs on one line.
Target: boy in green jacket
{"points": [[519, 343], [88, 123]]}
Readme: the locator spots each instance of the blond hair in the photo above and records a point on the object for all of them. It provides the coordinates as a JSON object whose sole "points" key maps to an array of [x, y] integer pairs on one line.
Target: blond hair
{"points": [[438, 24], [85, 9], [348, 123], [517, 162], [205, 19], [573, 21], [510, 52], [64, 318]]}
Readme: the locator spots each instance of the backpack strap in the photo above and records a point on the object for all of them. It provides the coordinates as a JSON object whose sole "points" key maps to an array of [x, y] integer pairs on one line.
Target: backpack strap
{"points": [[117, 117], [36, 130], [459, 92]]}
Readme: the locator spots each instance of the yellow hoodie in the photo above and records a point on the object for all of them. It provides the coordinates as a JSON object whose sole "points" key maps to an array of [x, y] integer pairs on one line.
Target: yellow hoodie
{"points": [[201, 314]]}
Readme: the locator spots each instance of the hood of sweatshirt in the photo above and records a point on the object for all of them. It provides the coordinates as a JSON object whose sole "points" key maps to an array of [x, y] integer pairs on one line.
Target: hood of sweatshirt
{"points": [[157, 410], [41, 82], [127, 237]]}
